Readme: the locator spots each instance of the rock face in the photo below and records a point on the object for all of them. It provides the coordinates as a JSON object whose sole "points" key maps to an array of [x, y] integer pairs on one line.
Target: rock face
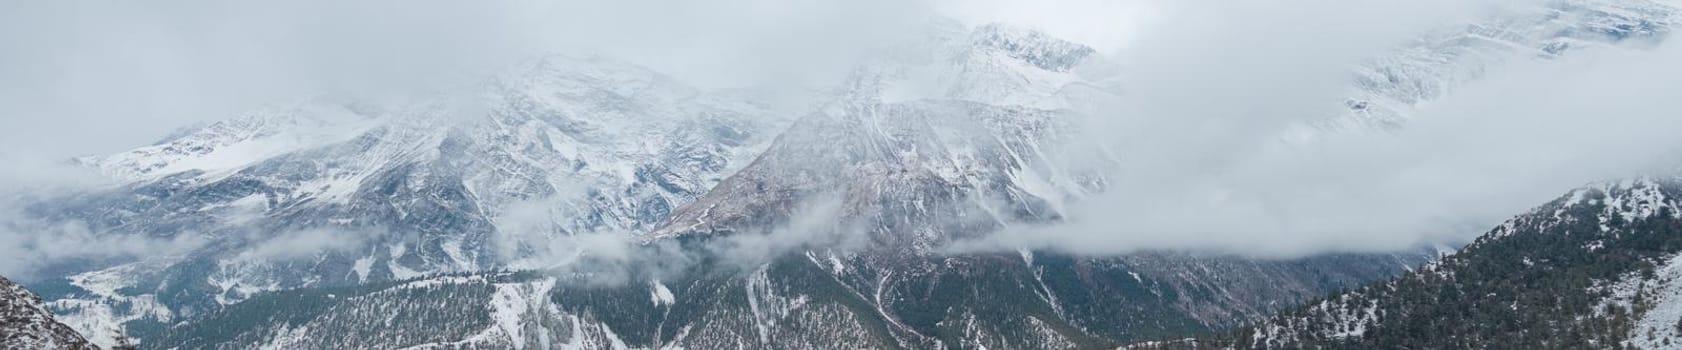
{"points": [[390, 223], [25, 322], [1596, 268]]}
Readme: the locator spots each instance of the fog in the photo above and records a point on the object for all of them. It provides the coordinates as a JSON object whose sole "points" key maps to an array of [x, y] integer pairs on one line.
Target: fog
{"points": [[1212, 87], [529, 238], [1207, 163], [27, 245], [97, 77]]}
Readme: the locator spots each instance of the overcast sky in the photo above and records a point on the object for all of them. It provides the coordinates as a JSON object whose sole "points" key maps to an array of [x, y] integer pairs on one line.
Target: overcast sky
{"points": [[100, 76]]}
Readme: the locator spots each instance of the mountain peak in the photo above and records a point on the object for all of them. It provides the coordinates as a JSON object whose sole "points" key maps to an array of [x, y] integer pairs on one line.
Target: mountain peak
{"points": [[1032, 46]]}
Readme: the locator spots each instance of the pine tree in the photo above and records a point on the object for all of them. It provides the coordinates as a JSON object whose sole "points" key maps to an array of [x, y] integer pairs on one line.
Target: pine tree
{"points": [[123, 342]]}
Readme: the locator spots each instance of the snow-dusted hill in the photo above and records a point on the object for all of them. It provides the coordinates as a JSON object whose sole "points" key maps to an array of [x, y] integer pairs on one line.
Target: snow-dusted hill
{"points": [[1592, 269], [926, 145], [25, 322]]}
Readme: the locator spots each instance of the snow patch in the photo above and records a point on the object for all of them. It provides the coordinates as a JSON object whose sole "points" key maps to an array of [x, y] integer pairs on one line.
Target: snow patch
{"points": [[661, 295]]}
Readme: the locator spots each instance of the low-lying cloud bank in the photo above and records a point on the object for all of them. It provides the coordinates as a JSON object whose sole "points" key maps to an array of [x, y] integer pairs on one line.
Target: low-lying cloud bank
{"points": [[530, 239], [1206, 166], [28, 246]]}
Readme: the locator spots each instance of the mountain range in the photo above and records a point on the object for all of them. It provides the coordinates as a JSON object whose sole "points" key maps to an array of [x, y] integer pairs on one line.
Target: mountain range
{"points": [[586, 202]]}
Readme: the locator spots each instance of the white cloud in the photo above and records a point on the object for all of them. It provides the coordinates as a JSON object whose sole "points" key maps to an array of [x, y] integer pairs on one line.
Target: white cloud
{"points": [[307, 243], [613, 257], [29, 245], [1204, 167]]}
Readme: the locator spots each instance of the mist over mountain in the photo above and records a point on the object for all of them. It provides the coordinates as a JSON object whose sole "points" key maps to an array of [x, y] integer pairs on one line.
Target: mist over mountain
{"points": [[758, 174]]}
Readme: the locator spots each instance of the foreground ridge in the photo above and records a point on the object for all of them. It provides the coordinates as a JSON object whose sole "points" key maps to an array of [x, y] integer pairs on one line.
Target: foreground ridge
{"points": [[1596, 268]]}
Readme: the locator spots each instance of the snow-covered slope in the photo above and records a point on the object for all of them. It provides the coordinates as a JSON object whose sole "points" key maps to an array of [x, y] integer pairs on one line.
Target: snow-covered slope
{"points": [[1588, 270], [1387, 90], [329, 192], [1660, 296], [924, 145], [993, 64], [25, 322]]}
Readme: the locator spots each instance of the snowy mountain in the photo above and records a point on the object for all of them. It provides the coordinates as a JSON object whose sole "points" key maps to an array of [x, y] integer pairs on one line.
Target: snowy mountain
{"points": [[1387, 90], [394, 223], [924, 147], [332, 193], [1595, 268], [330, 199], [25, 322]]}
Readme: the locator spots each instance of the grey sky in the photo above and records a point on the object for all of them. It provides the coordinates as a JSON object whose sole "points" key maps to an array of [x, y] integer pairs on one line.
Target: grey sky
{"points": [[84, 77]]}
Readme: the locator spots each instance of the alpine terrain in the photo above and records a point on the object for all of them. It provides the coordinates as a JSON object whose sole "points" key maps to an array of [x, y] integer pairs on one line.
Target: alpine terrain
{"points": [[25, 322], [586, 202], [1596, 268]]}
